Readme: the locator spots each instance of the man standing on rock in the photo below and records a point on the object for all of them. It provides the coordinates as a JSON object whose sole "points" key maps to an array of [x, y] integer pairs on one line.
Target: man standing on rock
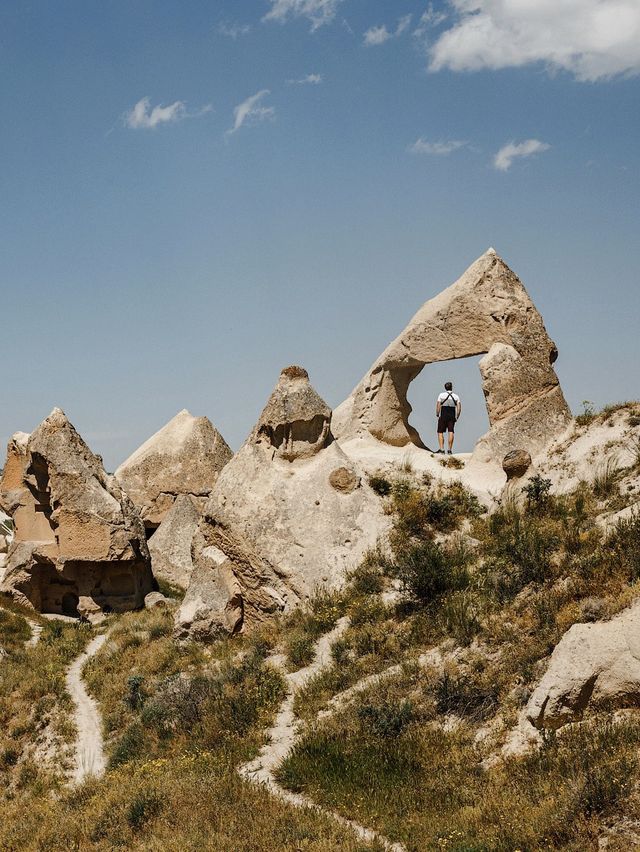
{"points": [[448, 408]]}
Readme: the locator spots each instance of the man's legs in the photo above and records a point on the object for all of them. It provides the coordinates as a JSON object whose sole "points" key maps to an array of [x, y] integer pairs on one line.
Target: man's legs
{"points": [[441, 440], [451, 437]]}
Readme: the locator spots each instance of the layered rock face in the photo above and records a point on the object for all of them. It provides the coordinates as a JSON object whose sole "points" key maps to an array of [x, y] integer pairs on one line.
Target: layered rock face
{"points": [[79, 546], [184, 457], [290, 513], [593, 664], [487, 310]]}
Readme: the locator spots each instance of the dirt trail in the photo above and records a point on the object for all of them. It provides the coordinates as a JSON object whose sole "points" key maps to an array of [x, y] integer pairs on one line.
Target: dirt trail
{"points": [[283, 734], [36, 633], [89, 746]]}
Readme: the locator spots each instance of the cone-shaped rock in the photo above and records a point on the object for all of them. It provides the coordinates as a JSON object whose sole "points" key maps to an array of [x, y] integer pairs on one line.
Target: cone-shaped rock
{"points": [[79, 546], [487, 310], [290, 513], [184, 457]]}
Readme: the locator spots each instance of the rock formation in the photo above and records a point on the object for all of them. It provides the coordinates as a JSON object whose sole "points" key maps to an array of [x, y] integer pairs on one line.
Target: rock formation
{"points": [[488, 311], [516, 463], [593, 664], [290, 513], [170, 545], [184, 457], [79, 546]]}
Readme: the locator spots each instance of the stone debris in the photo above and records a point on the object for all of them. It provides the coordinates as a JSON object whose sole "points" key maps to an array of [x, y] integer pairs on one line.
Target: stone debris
{"points": [[184, 457], [487, 310], [276, 527], [79, 547]]}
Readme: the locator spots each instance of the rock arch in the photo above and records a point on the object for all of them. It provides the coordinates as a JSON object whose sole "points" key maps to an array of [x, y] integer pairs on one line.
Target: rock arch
{"points": [[485, 312]]}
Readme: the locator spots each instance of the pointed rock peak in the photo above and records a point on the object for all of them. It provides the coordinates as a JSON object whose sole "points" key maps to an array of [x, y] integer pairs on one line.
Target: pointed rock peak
{"points": [[296, 420], [184, 457], [491, 250]]}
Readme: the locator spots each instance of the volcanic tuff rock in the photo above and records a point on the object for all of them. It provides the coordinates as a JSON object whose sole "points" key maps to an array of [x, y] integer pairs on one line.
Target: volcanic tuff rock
{"points": [[275, 527], [516, 463], [487, 310], [79, 546], [184, 457], [170, 545], [593, 664]]}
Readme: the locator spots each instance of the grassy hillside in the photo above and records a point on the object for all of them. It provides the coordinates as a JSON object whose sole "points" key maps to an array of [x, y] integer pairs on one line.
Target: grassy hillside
{"points": [[451, 623]]}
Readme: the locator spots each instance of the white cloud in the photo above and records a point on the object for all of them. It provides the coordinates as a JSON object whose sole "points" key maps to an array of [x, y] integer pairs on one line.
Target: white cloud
{"points": [[233, 31], [319, 12], [250, 112], [378, 35], [142, 116], [308, 80], [592, 39], [512, 150], [441, 149], [403, 24], [429, 19]]}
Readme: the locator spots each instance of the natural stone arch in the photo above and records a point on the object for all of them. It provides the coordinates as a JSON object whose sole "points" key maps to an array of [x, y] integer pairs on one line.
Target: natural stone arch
{"points": [[486, 311]]}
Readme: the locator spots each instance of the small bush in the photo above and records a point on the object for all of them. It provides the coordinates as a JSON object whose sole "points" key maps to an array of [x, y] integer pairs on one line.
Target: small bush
{"points": [[380, 485], [604, 479], [388, 719], [588, 413], [145, 805], [462, 695], [427, 571], [537, 491], [299, 650], [135, 696]]}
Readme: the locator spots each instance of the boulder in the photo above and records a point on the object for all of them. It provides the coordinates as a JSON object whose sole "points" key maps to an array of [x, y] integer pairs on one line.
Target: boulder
{"points": [[170, 545], [516, 463], [487, 310], [184, 457], [155, 600], [79, 546], [289, 514], [593, 665]]}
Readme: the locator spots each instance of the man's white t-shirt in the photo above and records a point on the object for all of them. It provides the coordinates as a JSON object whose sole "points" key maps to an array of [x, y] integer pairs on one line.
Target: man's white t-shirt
{"points": [[448, 399]]}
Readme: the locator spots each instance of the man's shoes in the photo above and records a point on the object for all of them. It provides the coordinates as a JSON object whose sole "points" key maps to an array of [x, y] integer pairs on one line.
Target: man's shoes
{"points": [[439, 452]]}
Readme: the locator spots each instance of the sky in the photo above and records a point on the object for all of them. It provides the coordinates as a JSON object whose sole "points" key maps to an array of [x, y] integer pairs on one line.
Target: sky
{"points": [[195, 195]]}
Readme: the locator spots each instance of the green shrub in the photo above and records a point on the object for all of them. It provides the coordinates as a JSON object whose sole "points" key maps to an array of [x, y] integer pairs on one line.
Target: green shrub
{"points": [[388, 719], [380, 485], [145, 805], [426, 571], [299, 650], [537, 491], [464, 696]]}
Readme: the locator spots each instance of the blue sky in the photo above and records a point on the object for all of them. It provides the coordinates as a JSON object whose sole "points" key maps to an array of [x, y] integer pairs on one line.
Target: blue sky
{"points": [[303, 175]]}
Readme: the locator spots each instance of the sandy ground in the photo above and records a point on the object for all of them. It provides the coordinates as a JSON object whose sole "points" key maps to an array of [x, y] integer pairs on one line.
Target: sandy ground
{"points": [[283, 734], [89, 747]]}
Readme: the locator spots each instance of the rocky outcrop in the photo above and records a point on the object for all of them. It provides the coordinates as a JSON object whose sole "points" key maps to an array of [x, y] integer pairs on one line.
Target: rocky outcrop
{"points": [[79, 547], [487, 310], [184, 457], [596, 665], [170, 545], [290, 513]]}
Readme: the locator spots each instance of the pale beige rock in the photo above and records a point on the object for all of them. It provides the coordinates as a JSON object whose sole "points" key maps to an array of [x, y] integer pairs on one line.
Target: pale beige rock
{"points": [[594, 665], [170, 545], [487, 310], [155, 600], [276, 529], [184, 457], [343, 479], [79, 546]]}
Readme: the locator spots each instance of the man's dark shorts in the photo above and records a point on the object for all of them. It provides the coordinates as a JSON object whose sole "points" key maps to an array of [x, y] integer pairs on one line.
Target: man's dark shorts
{"points": [[447, 419]]}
